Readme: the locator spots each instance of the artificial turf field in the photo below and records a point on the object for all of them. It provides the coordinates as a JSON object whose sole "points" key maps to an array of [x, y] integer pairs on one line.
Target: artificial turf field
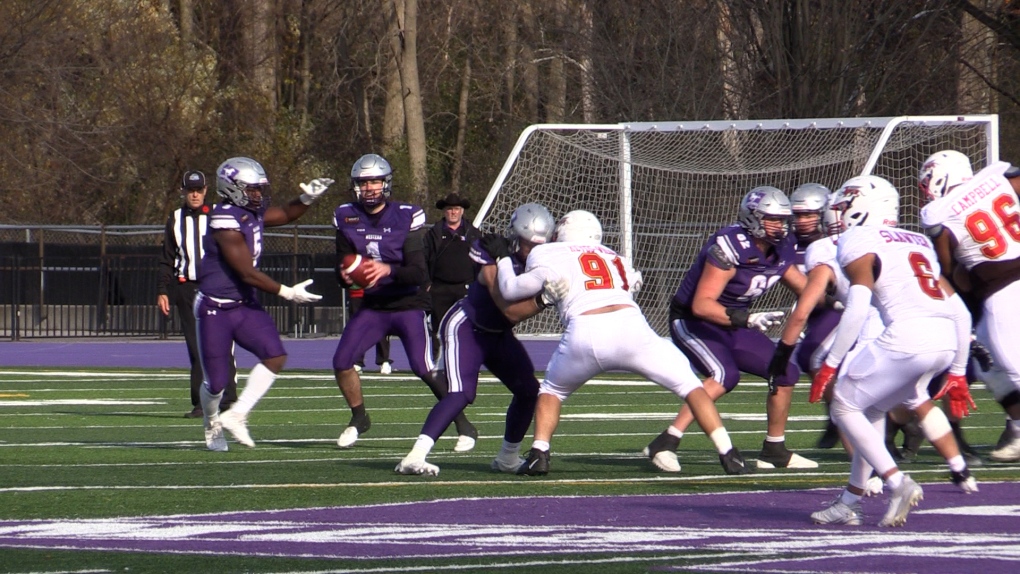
{"points": [[99, 472]]}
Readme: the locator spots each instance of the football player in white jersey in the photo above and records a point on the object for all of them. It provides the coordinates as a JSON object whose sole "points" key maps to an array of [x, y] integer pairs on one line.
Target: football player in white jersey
{"points": [[975, 220], [604, 330], [824, 276], [927, 330]]}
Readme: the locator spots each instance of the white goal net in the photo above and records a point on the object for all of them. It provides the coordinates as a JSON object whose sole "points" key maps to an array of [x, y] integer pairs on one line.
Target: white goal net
{"points": [[661, 189]]}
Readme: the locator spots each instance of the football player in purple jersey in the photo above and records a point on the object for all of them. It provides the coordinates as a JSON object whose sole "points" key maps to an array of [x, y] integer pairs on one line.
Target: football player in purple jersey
{"points": [[226, 307], [478, 330], [711, 321], [389, 235]]}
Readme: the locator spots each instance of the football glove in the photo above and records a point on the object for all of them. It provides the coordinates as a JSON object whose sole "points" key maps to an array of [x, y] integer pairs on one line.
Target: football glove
{"points": [[762, 321], [636, 281], [554, 290], [495, 245], [298, 294], [960, 401], [314, 189], [822, 379]]}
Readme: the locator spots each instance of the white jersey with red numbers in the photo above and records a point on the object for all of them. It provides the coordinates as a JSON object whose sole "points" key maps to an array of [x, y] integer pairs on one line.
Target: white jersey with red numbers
{"points": [[915, 310], [983, 216]]}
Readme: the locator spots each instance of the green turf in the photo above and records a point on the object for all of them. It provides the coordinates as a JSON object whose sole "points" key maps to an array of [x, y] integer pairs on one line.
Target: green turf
{"points": [[72, 445]]}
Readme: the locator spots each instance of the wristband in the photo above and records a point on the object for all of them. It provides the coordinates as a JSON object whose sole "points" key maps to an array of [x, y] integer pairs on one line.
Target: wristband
{"points": [[540, 302], [738, 317]]}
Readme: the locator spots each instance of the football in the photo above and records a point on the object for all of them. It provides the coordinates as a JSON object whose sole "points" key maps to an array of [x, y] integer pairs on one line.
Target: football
{"points": [[355, 268]]}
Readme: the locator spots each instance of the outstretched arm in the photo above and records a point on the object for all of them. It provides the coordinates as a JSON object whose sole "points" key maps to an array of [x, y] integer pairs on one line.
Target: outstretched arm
{"points": [[516, 287]]}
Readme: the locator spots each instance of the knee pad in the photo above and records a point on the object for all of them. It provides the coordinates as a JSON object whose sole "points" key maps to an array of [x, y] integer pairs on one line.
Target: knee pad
{"points": [[935, 425]]}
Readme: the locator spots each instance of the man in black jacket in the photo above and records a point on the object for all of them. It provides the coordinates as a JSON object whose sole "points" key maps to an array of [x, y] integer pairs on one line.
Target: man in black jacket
{"points": [[447, 246], [178, 277]]}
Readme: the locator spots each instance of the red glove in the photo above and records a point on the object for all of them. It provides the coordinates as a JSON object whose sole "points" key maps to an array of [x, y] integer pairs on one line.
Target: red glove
{"points": [[821, 380], [960, 401]]}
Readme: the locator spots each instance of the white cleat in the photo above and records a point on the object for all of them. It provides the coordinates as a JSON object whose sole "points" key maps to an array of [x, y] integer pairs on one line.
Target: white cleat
{"points": [[839, 512], [419, 467], [237, 424], [464, 443], [664, 460], [1009, 452], [214, 439], [348, 437], [385, 368], [498, 464], [874, 486], [901, 501]]}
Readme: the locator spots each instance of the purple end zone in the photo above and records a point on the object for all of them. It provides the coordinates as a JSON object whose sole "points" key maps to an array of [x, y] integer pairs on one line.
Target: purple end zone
{"points": [[748, 532]]}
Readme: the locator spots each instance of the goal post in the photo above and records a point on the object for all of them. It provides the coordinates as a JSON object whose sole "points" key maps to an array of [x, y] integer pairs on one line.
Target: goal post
{"points": [[661, 189]]}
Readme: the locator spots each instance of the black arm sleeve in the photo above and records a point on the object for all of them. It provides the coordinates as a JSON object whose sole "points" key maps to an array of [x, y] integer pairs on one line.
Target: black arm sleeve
{"points": [[414, 269], [167, 256]]}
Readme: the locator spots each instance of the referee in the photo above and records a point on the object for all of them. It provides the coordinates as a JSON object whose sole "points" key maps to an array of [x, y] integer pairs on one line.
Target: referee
{"points": [[178, 277]]}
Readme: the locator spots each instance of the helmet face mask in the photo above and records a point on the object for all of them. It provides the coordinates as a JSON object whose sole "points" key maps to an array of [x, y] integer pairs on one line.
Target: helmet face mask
{"points": [[943, 171], [808, 203], [765, 214], [371, 167], [867, 200], [531, 224], [580, 226], [242, 181]]}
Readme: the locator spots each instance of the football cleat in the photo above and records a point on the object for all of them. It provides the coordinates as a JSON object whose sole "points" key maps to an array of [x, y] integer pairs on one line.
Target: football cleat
{"points": [[419, 467], [874, 486], [662, 452], [237, 424], [464, 443], [839, 512], [348, 437], [830, 437], [775, 455], [214, 439], [196, 413], [733, 462], [1009, 452], [964, 481], [385, 368], [536, 465], [508, 466], [901, 500]]}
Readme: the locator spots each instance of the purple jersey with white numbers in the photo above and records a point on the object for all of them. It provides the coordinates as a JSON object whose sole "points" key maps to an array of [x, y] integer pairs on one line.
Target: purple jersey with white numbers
{"points": [[216, 278], [381, 237], [757, 272], [479, 307]]}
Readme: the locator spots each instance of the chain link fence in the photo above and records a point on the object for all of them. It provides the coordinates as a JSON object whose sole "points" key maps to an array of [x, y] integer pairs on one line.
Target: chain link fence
{"points": [[83, 281]]}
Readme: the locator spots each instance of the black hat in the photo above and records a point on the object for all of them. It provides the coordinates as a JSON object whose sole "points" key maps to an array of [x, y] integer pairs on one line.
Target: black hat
{"points": [[453, 200], [193, 179]]}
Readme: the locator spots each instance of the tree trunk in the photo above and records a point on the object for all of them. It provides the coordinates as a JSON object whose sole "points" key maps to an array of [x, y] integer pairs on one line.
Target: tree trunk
{"points": [[462, 122], [510, 43], [976, 68], [262, 49], [531, 97], [556, 107], [405, 49], [587, 64]]}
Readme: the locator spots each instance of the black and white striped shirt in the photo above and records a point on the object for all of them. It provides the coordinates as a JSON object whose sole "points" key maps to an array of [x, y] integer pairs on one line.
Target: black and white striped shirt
{"points": [[182, 246]]}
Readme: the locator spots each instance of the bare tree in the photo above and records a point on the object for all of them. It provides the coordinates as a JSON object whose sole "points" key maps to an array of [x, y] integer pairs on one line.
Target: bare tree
{"points": [[405, 50]]}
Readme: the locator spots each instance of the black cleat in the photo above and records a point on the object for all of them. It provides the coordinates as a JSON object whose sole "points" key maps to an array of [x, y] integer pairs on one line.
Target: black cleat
{"points": [[662, 452], [830, 437], [536, 465], [964, 481], [195, 413], [776, 455], [733, 463]]}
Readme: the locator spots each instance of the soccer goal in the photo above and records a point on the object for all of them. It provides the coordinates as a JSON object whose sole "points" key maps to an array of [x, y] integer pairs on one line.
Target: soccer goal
{"points": [[660, 189]]}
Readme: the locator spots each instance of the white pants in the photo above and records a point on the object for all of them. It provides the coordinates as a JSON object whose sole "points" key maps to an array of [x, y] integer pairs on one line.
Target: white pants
{"points": [[617, 341], [999, 330]]}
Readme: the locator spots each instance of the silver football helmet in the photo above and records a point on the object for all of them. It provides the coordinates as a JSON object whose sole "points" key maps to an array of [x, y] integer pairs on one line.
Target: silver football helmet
{"points": [[531, 222], [580, 226], [831, 217], [943, 171], [867, 200], [370, 167], [243, 182], [809, 198], [764, 202]]}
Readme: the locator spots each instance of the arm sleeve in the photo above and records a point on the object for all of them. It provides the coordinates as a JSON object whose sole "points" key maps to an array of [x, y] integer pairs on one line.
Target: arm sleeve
{"points": [[962, 320], [167, 256], [856, 313], [413, 270], [515, 287]]}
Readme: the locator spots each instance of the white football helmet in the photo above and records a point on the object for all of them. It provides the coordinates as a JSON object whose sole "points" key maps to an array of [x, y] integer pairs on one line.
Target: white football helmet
{"points": [[370, 167], [531, 222], [759, 203], [831, 224], [867, 200], [580, 226], [809, 198], [243, 182], [943, 171]]}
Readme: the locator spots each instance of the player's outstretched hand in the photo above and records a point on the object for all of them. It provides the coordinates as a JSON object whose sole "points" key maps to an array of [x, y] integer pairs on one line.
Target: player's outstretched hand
{"points": [[958, 392], [822, 379], [298, 294], [554, 290], [314, 189], [495, 245], [762, 321]]}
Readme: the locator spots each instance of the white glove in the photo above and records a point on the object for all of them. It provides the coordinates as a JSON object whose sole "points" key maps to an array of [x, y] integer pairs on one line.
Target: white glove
{"points": [[298, 294], [636, 282], [554, 290], [762, 321], [314, 189]]}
